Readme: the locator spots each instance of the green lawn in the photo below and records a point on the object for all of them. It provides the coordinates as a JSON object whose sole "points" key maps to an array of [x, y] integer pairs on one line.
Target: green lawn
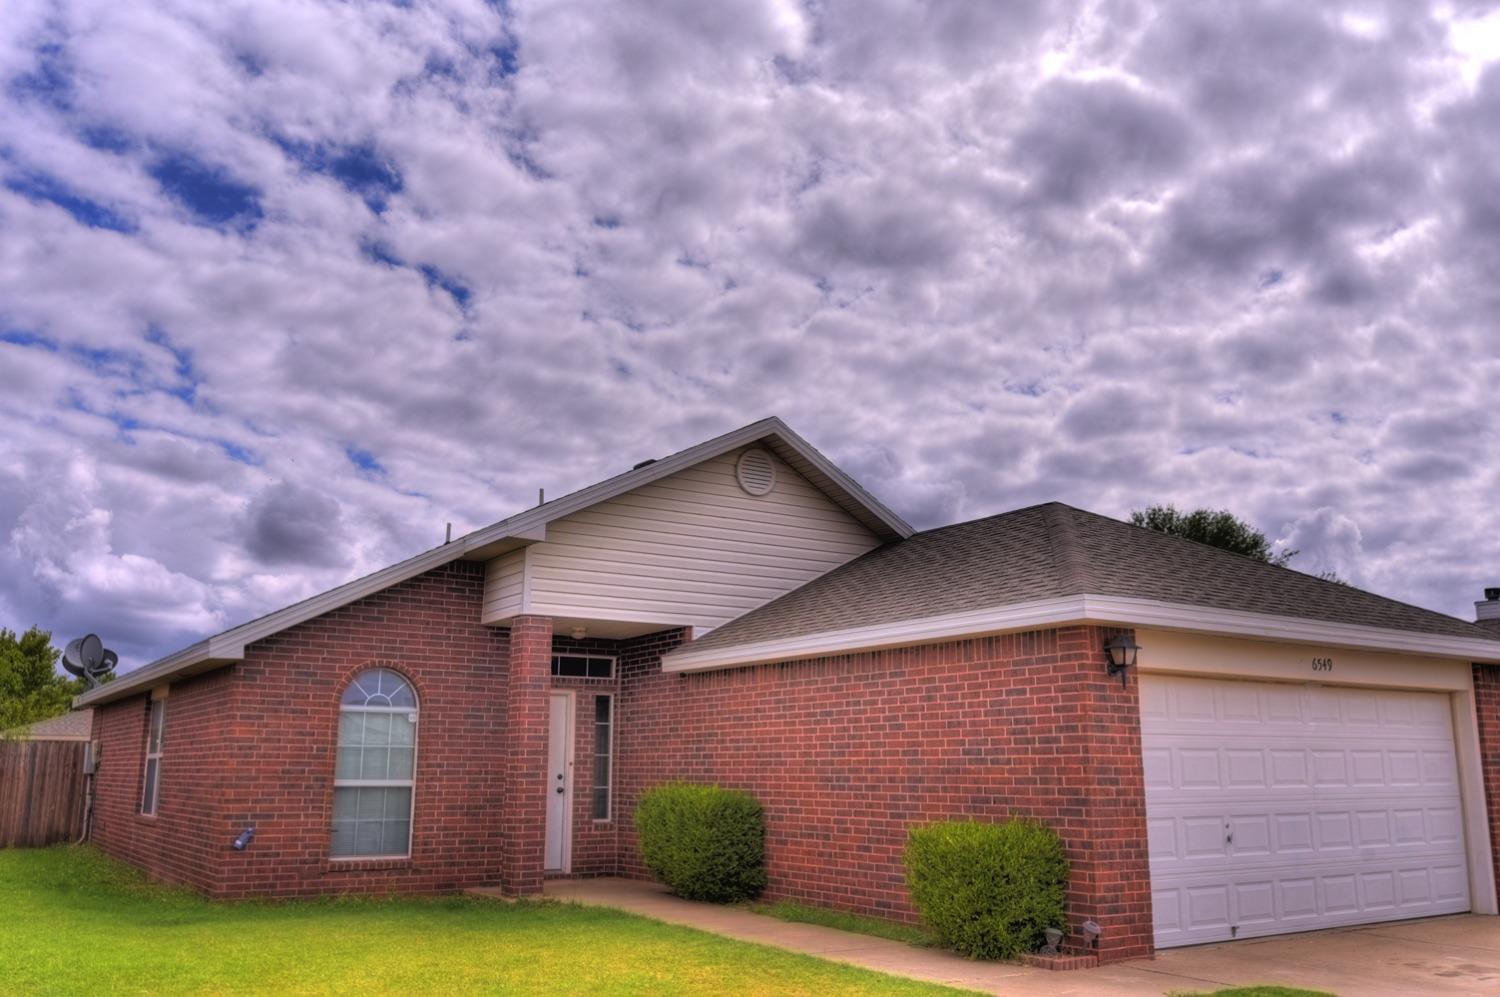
{"points": [[786, 910], [1256, 991], [72, 922]]}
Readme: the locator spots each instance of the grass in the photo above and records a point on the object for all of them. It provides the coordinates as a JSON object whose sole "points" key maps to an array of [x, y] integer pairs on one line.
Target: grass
{"points": [[1254, 991], [77, 923], [911, 934]]}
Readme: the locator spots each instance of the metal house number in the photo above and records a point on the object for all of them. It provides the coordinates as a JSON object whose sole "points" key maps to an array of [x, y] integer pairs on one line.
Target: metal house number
{"points": [[1322, 664]]}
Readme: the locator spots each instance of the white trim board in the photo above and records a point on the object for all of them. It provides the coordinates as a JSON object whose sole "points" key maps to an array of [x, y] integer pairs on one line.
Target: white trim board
{"points": [[519, 530], [1103, 609]]}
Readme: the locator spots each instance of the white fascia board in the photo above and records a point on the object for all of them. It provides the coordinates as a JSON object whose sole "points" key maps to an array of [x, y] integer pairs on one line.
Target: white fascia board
{"points": [[229, 646], [668, 466], [898, 526], [1267, 626], [530, 526], [999, 619], [1083, 609]]}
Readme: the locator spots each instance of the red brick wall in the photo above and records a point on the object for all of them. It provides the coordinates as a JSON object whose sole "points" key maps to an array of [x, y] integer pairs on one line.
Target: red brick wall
{"points": [[254, 744], [178, 844], [847, 753], [1487, 706]]}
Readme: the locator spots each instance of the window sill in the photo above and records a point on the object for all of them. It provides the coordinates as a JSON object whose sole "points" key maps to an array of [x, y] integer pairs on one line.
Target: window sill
{"points": [[367, 865]]}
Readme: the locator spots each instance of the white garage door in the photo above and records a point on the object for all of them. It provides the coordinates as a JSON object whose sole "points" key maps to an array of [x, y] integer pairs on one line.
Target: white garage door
{"points": [[1275, 807]]}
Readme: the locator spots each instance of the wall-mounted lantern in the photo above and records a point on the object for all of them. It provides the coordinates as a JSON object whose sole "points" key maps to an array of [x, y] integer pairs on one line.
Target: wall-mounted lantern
{"points": [[1121, 649]]}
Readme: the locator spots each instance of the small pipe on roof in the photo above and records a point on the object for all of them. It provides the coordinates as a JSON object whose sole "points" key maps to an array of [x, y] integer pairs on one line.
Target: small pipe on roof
{"points": [[541, 496], [448, 536]]}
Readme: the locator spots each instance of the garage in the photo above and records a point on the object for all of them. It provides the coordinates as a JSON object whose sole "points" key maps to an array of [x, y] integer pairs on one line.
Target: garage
{"points": [[1277, 807]]}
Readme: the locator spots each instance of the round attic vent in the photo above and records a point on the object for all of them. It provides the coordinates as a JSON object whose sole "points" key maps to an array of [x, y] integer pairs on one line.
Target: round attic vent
{"points": [[756, 471]]}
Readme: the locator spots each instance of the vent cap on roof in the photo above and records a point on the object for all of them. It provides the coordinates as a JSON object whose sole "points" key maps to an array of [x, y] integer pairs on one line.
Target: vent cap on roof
{"points": [[1488, 611], [756, 472]]}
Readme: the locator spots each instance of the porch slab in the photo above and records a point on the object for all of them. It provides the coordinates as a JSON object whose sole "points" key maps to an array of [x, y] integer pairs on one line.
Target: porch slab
{"points": [[1458, 954]]}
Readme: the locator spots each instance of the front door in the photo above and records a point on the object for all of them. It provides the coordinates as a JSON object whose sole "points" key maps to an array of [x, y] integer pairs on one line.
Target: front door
{"points": [[559, 782]]}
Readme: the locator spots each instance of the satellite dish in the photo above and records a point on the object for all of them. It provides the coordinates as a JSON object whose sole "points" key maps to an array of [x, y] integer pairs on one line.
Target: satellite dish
{"points": [[88, 658]]}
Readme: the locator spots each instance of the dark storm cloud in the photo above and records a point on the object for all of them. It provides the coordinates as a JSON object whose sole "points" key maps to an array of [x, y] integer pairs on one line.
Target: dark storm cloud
{"points": [[290, 525], [879, 227], [1087, 138], [286, 287]]}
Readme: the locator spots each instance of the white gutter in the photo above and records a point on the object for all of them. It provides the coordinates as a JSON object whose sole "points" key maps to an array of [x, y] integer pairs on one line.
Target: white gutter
{"points": [[1083, 609]]}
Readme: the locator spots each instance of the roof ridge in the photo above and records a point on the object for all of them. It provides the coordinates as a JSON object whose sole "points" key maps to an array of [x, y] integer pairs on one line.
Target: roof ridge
{"points": [[1220, 551], [1067, 558]]}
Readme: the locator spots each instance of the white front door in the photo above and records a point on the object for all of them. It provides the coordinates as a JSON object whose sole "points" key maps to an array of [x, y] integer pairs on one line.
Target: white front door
{"points": [[559, 782], [1274, 807]]}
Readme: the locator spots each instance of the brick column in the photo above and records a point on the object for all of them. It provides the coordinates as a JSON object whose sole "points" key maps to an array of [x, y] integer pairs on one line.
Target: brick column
{"points": [[1487, 706], [1111, 866], [524, 818]]}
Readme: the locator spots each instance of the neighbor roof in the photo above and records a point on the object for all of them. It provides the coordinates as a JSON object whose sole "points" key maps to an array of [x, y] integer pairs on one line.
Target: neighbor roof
{"points": [[1045, 553], [507, 534], [75, 726]]}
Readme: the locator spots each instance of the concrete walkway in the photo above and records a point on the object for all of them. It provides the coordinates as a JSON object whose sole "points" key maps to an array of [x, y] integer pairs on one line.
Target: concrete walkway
{"points": [[1437, 956]]}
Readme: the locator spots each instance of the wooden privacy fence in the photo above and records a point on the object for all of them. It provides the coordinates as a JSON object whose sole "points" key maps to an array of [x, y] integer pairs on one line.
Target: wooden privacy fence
{"points": [[41, 792]]}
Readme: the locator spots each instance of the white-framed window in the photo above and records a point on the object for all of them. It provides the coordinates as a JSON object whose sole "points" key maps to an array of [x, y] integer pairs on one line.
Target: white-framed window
{"points": [[583, 666], [374, 779], [156, 726], [604, 748]]}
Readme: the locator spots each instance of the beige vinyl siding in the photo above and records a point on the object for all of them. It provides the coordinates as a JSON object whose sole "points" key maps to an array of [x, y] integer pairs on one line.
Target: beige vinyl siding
{"points": [[690, 550], [503, 585]]}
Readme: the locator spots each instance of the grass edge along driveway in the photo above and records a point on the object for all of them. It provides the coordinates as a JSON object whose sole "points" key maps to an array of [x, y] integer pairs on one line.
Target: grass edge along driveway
{"points": [[76, 922]]}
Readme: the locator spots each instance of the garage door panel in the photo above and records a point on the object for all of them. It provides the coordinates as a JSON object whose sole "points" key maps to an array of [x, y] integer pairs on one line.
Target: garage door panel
{"points": [[1282, 808]]}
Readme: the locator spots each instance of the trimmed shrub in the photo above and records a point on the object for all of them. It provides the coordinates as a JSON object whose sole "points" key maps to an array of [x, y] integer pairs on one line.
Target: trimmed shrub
{"points": [[704, 842], [988, 890]]}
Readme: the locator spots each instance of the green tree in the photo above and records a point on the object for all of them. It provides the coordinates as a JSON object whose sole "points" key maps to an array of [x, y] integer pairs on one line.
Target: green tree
{"points": [[1215, 527], [31, 688]]}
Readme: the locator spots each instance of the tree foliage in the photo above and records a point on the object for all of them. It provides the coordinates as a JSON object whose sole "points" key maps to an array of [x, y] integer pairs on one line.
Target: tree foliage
{"points": [[31, 688], [1215, 527]]}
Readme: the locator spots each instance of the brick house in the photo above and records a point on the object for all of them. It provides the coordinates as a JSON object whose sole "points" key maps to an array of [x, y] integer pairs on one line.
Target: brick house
{"points": [[1285, 754]]}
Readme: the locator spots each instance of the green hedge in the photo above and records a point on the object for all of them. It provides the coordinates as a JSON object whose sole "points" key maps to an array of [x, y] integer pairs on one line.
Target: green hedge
{"points": [[988, 890], [704, 842]]}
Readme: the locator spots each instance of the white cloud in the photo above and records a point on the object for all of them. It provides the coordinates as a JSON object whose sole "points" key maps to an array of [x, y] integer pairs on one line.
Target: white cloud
{"points": [[1110, 253]]}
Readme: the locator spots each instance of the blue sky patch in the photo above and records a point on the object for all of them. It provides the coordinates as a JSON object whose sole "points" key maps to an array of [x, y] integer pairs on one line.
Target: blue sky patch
{"points": [[436, 278], [40, 187], [237, 453], [207, 191], [364, 460], [20, 337], [359, 169], [188, 380], [379, 252], [105, 138], [507, 59], [50, 82]]}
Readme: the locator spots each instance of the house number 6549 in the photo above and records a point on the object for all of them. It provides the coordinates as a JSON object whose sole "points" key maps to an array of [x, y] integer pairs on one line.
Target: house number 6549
{"points": [[1322, 664]]}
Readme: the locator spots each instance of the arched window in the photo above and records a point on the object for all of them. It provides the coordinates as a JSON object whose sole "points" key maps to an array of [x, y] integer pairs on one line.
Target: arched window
{"points": [[373, 778]]}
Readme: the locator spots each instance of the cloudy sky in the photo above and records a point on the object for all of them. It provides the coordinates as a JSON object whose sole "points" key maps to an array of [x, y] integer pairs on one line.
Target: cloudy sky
{"points": [[287, 285]]}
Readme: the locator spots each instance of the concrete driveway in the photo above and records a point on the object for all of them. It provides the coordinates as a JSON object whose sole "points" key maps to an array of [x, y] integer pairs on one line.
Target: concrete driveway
{"points": [[1440, 955], [1437, 956]]}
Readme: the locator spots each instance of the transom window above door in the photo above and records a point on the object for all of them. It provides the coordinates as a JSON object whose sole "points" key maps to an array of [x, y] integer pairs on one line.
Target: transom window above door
{"points": [[583, 666]]}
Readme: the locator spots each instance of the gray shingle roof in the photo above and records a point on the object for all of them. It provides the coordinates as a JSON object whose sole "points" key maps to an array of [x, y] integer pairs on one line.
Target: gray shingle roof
{"points": [[75, 726], [1051, 551]]}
